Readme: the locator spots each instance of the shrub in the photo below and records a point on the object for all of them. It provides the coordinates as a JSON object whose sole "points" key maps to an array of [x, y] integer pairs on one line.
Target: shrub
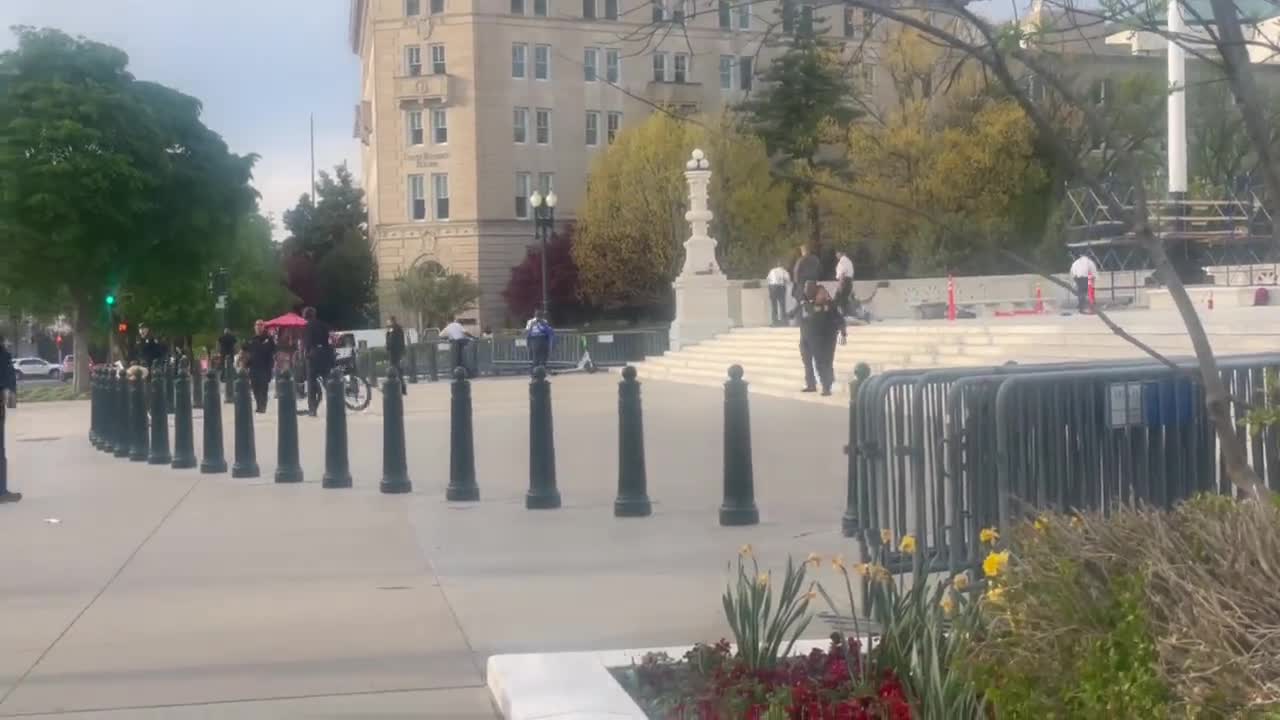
{"points": [[1142, 614]]}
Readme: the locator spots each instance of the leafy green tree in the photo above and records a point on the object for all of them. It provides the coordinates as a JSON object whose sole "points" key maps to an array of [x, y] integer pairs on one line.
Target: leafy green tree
{"points": [[106, 182], [328, 260], [434, 295]]}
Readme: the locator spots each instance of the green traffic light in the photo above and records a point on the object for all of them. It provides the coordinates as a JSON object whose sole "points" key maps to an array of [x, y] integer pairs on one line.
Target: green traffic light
{"points": [[111, 300]]}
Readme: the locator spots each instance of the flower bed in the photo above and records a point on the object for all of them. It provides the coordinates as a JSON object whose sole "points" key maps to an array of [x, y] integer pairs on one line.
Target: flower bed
{"points": [[710, 683]]}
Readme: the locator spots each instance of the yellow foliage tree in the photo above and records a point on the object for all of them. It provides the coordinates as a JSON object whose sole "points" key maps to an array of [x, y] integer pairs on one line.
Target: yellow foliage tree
{"points": [[631, 228]]}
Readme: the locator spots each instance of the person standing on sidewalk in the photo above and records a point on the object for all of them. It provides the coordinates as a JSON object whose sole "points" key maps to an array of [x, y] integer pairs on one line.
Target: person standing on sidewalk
{"points": [[822, 324], [1081, 270], [395, 351], [777, 280], [844, 278], [458, 339], [262, 361], [8, 389], [318, 350], [807, 270], [539, 334]]}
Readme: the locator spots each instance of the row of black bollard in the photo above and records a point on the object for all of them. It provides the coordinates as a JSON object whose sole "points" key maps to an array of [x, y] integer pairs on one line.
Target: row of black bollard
{"points": [[158, 453], [184, 451]]}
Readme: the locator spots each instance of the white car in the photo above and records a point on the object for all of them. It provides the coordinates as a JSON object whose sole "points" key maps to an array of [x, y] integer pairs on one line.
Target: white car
{"points": [[30, 367]]}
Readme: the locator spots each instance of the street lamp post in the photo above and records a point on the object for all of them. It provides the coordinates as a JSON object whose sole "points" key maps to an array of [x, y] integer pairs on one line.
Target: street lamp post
{"points": [[544, 221]]}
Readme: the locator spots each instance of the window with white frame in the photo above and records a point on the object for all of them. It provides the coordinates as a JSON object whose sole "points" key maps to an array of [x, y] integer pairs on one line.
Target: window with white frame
{"points": [[520, 129], [413, 60], [417, 198], [612, 65], [725, 12], [677, 10], [413, 119], [542, 62], [517, 7], [412, 7], [744, 15], [593, 128], [659, 67], [524, 188], [437, 7], [744, 72], [590, 62], [542, 126], [540, 8], [546, 183], [518, 53], [610, 9], [659, 11], [437, 60], [588, 9], [681, 65], [726, 72], [440, 192], [439, 126], [614, 123]]}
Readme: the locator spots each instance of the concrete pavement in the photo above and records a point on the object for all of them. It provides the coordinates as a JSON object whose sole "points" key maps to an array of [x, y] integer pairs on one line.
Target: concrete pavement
{"points": [[162, 593]]}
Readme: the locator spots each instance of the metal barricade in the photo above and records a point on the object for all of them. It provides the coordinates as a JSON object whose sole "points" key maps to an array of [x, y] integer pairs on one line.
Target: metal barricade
{"points": [[511, 352]]}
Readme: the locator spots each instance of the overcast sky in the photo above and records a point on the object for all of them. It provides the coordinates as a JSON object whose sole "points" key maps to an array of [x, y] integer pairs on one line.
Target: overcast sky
{"points": [[259, 66]]}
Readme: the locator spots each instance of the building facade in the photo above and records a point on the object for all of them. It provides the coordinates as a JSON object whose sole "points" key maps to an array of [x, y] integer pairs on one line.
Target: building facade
{"points": [[468, 106]]}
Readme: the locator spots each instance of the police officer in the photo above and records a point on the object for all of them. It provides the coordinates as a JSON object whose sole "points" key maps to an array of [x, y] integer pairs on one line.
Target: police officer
{"points": [[261, 349], [320, 357], [395, 350], [822, 323], [8, 390], [150, 350]]}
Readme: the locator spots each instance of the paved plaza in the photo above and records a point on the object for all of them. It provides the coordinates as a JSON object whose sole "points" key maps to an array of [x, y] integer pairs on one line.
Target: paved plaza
{"points": [[133, 591]]}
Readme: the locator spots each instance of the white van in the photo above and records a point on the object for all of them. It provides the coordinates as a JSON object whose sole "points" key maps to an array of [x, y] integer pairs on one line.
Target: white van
{"points": [[348, 340]]}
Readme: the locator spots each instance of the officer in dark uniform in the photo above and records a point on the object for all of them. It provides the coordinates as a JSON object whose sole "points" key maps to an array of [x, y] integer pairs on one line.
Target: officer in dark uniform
{"points": [[261, 349], [320, 357], [808, 269], [8, 385], [395, 350], [150, 350], [823, 322]]}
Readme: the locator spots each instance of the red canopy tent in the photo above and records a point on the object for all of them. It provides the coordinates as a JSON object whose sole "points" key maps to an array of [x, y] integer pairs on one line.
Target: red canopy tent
{"points": [[288, 320]]}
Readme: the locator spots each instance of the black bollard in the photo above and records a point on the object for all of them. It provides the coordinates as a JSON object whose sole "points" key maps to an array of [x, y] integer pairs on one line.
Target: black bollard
{"points": [[122, 425], [158, 454], [433, 361], [138, 447], [739, 506], [228, 380], [214, 458], [462, 451], [849, 521], [633, 495], [94, 407], [337, 467], [413, 364], [245, 464], [171, 385], [395, 468], [288, 469], [542, 494], [184, 448]]}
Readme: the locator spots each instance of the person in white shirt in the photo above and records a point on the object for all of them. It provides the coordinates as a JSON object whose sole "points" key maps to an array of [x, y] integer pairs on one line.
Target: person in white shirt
{"points": [[777, 279], [1081, 270], [458, 338], [844, 280]]}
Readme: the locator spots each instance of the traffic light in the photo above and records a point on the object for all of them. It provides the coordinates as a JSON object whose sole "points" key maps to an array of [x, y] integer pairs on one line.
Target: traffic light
{"points": [[111, 299]]}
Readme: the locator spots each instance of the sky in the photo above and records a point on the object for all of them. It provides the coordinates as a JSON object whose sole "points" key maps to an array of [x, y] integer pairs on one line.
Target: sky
{"points": [[260, 67]]}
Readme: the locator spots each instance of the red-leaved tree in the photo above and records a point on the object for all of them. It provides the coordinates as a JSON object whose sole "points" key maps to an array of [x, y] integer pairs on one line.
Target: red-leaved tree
{"points": [[524, 290]]}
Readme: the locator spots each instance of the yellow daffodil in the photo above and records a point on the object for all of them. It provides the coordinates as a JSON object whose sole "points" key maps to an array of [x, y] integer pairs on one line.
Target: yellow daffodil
{"points": [[814, 559], [948, 605], [995, 595], [988, 536], [837, 562], [763, 580], [908, 544], [995, 563], [880, 573], [1041, 524], [961, 582], [745, 551], [1077, 522], [862, 569], [886, 536]]}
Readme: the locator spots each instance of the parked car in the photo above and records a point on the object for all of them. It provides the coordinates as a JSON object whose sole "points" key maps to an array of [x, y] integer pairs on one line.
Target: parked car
{"points": [[69, 366], [30, 367]]}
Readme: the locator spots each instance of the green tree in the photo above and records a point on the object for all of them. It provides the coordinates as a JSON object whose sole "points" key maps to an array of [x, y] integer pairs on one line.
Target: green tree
{"points": [[106, 182], [631, 229], [434, 295], [805, 102], [328, 259]]}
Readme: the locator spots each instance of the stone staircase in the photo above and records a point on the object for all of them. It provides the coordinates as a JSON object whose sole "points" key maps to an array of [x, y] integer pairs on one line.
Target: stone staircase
{"points": [[771, 358]]}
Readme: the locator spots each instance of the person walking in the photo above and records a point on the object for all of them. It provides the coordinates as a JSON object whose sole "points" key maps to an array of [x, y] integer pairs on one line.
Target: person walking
{"points": [[318, 350], [807, 270], [8, 394], [539, 334], [458, 338], [803, 311], [777, 280], [823, 323], [1081, 270], [262, 361], [395, 350], [844, 280]]}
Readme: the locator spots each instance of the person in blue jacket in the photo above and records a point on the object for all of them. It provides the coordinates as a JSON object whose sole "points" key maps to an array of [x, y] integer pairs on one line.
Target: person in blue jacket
{"points": [[540, 335]]}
